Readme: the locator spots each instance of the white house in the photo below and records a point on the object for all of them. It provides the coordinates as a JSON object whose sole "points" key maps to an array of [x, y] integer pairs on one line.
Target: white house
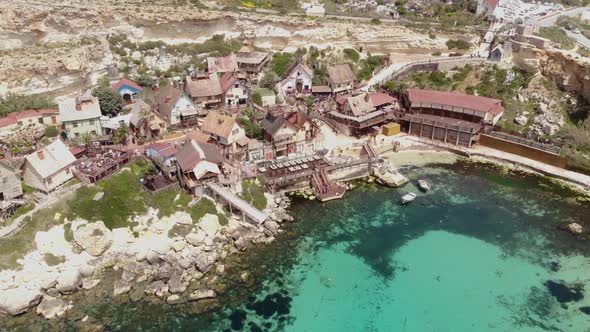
{"points": [[235, 93], [81, 115], [298, 80], [49, 167], [173, 103]]}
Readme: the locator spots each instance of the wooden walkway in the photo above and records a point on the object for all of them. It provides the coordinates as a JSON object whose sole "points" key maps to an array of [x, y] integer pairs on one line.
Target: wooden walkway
{"points": [[233, 200]]}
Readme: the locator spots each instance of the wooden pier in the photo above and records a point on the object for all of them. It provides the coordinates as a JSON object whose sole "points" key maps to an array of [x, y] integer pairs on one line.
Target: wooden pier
{"points": [[236, 202]]}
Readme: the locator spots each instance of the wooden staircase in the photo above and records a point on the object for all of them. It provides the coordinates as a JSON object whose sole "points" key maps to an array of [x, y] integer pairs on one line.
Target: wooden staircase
{"points": [[326, 189]]}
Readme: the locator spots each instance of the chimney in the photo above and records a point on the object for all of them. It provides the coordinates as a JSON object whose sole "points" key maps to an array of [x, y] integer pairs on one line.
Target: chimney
{"points": [[40, 155], [367, 98]]}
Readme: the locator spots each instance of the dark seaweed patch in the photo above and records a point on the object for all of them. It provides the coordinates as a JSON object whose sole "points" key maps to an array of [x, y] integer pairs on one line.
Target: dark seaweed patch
{"points": [[237, 318], [272, 304], [585, 310], [564, 293]]}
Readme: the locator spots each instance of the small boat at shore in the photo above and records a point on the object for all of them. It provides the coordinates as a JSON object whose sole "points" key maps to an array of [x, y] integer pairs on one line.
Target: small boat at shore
{"points": [[424, 185], [407, 198]]}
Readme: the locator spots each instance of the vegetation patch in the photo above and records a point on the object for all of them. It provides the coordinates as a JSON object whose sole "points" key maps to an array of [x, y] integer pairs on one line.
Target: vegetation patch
{"points": [[180, 230], [53, 260], [458, 44], [281, 62], [253, 193], [16, 103], [558, 37], [206, 206]]}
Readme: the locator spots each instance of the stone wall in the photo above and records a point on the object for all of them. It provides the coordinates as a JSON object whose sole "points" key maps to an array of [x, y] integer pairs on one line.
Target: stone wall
{"points": [[523, 150]]}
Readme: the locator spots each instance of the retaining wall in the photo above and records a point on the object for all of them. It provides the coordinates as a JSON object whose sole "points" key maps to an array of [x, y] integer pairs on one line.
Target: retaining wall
{"points": [[523, 150]]}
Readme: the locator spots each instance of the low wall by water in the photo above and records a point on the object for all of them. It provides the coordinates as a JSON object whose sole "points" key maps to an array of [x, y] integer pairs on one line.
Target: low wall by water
{"points": [[523, 150]]}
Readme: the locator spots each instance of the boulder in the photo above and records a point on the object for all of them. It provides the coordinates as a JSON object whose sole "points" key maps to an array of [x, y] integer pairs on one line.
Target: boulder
{"points": [[204, 262], [51, 307], [210, 224], [575, 228], [15, 301], [153, 258], [272, 226], [521, 119], [90, 283], [157, 288], [94, 238], [179, 245], [69, 281], [201, 294], [127, 276], [86, 270], [136, 294], [121, 287], [175, 284], [196, 239], [174, 299], [241, 243], [391, 178]]}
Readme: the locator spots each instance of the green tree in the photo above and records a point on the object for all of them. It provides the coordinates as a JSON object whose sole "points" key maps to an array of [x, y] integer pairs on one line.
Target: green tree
{"points": [[120, 135], [257, 98], [51, 131], [111, 102], [352, 54], [391, 86], [145, 81], [269, 80]]}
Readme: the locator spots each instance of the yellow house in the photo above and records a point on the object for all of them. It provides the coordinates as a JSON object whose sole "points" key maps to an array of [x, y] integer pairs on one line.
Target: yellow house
{"points": [[81, 115]]}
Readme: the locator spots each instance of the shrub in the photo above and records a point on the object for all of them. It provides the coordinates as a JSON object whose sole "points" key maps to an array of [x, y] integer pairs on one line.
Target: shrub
{"points": [[281, 62], [257, 98], [458, 44], [16, 103], [51, 131], [352, 54], [375, 21]]}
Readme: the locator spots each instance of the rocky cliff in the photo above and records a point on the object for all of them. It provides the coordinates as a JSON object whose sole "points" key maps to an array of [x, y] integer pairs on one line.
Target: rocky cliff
{"points": [[570, 74]]}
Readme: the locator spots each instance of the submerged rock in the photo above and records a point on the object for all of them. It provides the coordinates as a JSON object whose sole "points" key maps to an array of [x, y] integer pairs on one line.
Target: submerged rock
{"points": [[201, 294], [121, 287], [575, 228], [563, 292]]}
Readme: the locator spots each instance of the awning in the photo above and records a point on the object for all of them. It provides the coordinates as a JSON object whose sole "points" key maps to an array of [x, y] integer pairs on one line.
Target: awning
{"points": [[189, 112]]}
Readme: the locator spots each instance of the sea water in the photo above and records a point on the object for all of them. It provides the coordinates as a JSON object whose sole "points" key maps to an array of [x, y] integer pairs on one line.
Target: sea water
{"points": [[484, 250]]}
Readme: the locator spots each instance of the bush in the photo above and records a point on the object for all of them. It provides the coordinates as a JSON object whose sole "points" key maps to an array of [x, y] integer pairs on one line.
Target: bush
{"points": [[253, 193], [281, 62], [368, 67], [436, 54], [257, 98], [51, 131], [145, 81], [269, 80], [375, 21], [16, 103], [458, 44], [352, 54]]}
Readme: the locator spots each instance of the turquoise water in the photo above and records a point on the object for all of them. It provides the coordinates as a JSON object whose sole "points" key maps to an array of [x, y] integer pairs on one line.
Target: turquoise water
{"points": [[482, 251]]}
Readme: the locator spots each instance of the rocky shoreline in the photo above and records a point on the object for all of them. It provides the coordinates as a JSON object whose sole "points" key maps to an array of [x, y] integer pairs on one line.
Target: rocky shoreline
{"points": [[177, 268]]}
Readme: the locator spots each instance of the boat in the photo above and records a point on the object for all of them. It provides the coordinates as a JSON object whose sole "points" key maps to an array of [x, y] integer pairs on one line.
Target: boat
{"points": [[424, 185], [407, 198]]}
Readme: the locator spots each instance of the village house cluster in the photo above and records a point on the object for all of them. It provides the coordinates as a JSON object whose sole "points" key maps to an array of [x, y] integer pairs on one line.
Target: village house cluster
{"points": [[204, 127]]}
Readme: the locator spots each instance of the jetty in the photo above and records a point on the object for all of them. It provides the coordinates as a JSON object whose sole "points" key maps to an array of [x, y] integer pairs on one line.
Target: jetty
{"points": [[234, 201], [326, 189]]}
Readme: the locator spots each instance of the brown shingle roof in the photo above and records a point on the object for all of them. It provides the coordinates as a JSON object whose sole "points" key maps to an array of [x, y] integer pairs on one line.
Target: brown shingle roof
{"points": [[359, 105], [478, 103], [340, 73], [218, 124], [203, 85], [166, 99], [193, 152], [228, 80], [222, 64]]}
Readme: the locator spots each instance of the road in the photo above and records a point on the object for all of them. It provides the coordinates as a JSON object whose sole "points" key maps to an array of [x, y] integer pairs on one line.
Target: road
{"points": [[549, 21]]}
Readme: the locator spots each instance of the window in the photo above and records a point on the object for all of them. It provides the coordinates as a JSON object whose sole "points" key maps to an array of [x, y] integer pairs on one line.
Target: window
{"points": [[75, 124], [40, 120], [67, 171], [53, 119], [91, 122], [93, 132], [5, 179], [20, 123], [49, 180], [77, 135], [236, 86]]}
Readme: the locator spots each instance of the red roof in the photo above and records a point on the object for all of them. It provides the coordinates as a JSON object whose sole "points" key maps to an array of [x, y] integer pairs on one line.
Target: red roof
{"points": [[164, 149], [227, 80], [380, 99], [482, 104], [13, 118], [128, 82]]}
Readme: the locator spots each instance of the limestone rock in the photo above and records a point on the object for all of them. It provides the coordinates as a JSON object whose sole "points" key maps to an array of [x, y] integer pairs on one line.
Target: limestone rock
{"points": [[86, 270], [176, 285], [174, 299], [204, 262], [390, 177], [90, 283], [196, 239], [15, 301], [201, 294], [157, 288], [521, 119], [51, 307], [575, 228], [241, 243], [69, 281], [272, 226], [95, 238], [210, 224], [179, 245], [121, 287]]}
